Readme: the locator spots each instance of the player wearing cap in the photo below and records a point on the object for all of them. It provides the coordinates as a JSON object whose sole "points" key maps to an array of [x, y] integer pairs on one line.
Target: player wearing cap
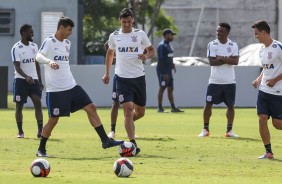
{"points": [[164, 70], [222, 54]]}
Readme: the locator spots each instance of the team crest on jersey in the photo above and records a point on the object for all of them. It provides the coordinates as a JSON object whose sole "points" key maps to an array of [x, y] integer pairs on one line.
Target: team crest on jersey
{"points": [[53, 40], [67, 49], [18, 98], [134, 38], [120, 98], [269, 55], [229, 49], [274, 45], [20, 46], [56, 111], [209, 98]]}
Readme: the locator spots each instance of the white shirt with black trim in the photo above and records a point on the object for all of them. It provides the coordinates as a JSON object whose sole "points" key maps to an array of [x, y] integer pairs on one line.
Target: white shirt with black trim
{"points": [[271, 60], [25, 54], [61, 79], [127, 47], [222, 74]]}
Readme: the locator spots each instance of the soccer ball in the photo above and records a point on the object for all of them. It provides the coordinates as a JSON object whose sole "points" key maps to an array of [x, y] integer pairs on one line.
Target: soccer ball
{"points": [[123, 167], [127, 149], [40, 168]]}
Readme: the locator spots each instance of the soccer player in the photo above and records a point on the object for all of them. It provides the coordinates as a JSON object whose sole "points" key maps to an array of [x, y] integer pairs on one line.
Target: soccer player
{"points": [[127, 43], [27, 81], [222, 54], [164, 70], [269, 100], [63, 94]]}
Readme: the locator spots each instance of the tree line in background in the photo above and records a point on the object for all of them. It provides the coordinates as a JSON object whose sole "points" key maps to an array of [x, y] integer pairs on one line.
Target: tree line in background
{"points": [[101, 19]]}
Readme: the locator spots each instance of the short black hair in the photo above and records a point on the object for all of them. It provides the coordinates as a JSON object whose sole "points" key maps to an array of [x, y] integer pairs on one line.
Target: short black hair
{"points": [[65, 21], [226, 25], [262, 25], [24, 28], [125, 12]]}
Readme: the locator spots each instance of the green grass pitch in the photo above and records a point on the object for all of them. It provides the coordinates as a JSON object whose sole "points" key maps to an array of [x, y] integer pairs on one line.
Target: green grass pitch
{"points": [[171, 152]]}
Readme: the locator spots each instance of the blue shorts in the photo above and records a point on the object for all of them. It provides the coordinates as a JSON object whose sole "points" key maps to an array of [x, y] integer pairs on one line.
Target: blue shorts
{"points": [[131, 90], [217, 93], [162, 82], [114, 93], [269, 104], [63, 103], [22, 90]]}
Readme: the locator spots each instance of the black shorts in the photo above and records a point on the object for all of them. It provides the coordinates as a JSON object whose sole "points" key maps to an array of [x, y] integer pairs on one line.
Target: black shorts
{"points": [[131, 90], [217, 93], [269, 104], [114, 93], [63, 103], [22, 90], [162, 82]]}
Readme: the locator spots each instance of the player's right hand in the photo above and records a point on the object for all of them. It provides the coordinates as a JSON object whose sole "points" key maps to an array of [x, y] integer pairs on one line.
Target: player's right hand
{"points": [[30, 80], [106, 79], [255, 83], [54, 65]]}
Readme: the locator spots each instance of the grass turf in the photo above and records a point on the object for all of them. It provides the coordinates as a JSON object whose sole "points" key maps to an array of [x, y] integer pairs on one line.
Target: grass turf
{"points": [[171, 152]]}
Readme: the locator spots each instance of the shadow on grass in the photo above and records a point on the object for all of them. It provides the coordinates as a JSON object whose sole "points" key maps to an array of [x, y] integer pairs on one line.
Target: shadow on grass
{"points": [[239, 138], [164, 139], [81, 158]]}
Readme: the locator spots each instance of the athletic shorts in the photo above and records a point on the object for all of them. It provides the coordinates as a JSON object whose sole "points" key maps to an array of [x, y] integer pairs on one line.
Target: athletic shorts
{"points": [[269, 104], [114, 93], [131, 90], [62, 103], [217, 93], [162, 82], [22, 90]]}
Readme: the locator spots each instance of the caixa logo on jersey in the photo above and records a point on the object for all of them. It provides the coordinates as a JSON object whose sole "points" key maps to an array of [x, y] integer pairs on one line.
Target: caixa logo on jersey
{"points": [[268, 66], [128, 49], [61, 58], [31, 60]]}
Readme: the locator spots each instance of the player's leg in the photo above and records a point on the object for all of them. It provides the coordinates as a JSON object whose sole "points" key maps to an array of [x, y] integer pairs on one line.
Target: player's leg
{"points": [[206, 117], [19, 119], [213, 96], [170, 95], [80, 100], [114, 115], [162, 86], [35, 95], [277, 123], [46, 133], [263, 111], [114, 110], [229, 91], [138, 112], [276, 109], [128, 108], [20, 94]]}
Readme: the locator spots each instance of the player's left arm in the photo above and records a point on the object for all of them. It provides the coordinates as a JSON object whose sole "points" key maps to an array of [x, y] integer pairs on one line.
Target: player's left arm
{"points": [[38, 71], [150, 52], [272, 82], [231, 60]]}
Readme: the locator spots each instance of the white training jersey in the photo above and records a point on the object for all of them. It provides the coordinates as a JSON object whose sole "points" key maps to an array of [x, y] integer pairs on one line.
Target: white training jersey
{"points": [[223, 74], [127, 47], [25, 54], [271, 59], [61, 79]]}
